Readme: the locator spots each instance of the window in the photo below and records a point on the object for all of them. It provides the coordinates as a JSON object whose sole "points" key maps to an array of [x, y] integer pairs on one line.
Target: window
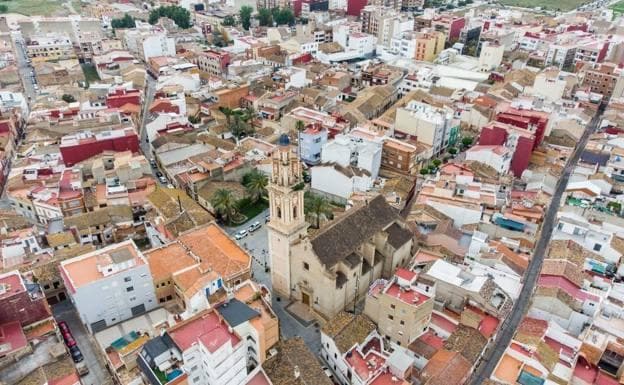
{"points": [[390, 317], [132, 298], [127, 279], [597, 247], [392, 306], [194, 368], [402, 322], [129, 289], [306, 266]]}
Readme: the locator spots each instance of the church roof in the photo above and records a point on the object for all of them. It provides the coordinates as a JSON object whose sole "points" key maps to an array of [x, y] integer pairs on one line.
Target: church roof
{"points": [[346, 234]]}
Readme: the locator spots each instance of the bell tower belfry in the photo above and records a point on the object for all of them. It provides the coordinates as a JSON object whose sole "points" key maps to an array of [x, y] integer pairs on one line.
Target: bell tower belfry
{"points": [[287, 222]]}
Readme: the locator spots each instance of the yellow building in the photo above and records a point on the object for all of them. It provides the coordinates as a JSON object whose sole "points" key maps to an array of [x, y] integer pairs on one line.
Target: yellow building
{"points": [[428, 45]]}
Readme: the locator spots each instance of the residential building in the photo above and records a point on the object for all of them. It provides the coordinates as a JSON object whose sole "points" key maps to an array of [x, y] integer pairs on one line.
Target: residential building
{"points": [[78, 147], [192, 272], [605, 79], [432, 126], [338, 183], [401, 307], [497, 157], [212, 62], [359, 148], [311, 140], [50, 47], [428, 44], [399, 156], [118, 275]]}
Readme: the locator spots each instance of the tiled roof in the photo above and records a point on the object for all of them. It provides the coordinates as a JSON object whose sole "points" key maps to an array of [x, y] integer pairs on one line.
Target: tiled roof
{"points": [[342, 237], [445, 368], [60, 239], [166, 260], [292, 356], [467, 341]]}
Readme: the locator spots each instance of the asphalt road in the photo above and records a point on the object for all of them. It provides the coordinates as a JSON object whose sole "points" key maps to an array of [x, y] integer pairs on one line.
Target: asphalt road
{"points": [[25, 69], [497, 348], [98, 374]]}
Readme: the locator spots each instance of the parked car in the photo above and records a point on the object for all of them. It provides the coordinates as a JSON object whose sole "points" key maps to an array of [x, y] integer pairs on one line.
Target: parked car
{"points": [[267, 218], [63, 327], [82, 369], [241, 234], [159, 174], [153, 162], [254, 226], [69, 341], [163, 180], [76, 355]]}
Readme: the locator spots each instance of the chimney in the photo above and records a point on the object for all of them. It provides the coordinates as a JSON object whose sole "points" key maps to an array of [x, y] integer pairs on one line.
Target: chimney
{"points": [[297, 372]]}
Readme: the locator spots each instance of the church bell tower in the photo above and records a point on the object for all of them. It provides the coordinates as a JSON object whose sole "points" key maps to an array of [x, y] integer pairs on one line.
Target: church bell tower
{"points": [[287, 222]]}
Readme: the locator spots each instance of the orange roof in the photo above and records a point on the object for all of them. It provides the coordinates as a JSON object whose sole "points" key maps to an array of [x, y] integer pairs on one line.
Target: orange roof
{"points": [[167, 260], [84, 269], [508, 369], [446, 367], [216, 250]]}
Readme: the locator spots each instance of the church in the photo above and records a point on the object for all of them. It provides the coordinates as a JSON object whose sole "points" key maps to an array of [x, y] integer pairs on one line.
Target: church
{"points": [[335, 266]]}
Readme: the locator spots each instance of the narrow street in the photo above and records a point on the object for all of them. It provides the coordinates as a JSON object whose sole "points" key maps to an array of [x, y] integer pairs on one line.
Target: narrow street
{"points": [[508, 329]]}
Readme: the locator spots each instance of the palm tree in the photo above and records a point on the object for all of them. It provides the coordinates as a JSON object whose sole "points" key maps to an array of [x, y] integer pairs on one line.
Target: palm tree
{"points": [[228, 112], [317, 205], [224, 204], [300, 125], [256, 183], [238, 126]]}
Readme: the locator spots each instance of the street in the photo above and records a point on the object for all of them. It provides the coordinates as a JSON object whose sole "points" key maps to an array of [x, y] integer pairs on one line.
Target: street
{"points": [[98, 374], [255, 243], [25, 69], [508, 329]]}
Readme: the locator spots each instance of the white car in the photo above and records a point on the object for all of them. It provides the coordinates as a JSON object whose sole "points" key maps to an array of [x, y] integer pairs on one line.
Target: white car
{"points": [[254, 226], [241, 234]]}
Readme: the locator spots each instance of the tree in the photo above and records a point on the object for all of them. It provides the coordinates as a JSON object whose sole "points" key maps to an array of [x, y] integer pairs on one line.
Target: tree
{"points": [[255, 183], [229, 21], [194, 119], [67, 98], [283, 16], [228, 112], [239, 127], [4, 8], [424, 171], [316, 205], [181, 16], [300, 125], [436, 162], [245, 16], [452, 150], [265, 17], [126, 21], [224, 204], [467, 141]]}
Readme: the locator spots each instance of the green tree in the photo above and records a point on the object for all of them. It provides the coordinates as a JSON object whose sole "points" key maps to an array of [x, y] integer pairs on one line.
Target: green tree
{"points": [[4, 8], [467, 141], [265, 17], [316, 205], [239, 127], [126, 21], [300, 125], [452, 150], [67, 98], [424, 171], [194, 119], [224, 204], [229, 21], [228, 112], [255, 183], [436, 162], [283, 16], [181, 16], [245, 16]]}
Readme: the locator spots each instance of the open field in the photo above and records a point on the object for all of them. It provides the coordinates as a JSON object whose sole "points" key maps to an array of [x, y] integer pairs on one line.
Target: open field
{"points": [[36, 7], [562, 5]]}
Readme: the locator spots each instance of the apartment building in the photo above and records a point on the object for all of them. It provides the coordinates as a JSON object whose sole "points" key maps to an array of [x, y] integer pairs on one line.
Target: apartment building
{"points": [[401, 307], [118, 275], [432, 126], [50, 47], [605, 79]]}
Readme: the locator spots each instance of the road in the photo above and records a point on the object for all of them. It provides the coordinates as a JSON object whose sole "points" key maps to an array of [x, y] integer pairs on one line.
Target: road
{"points": [[25, 69], [509, 327], [98, 374]]}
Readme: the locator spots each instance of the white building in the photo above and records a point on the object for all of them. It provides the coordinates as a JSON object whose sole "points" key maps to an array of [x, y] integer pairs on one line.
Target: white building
{"points": [[352, 150], [431, 125], [491, 56], [109, 285], [212, 352], [339, 183], [497, 157]]}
